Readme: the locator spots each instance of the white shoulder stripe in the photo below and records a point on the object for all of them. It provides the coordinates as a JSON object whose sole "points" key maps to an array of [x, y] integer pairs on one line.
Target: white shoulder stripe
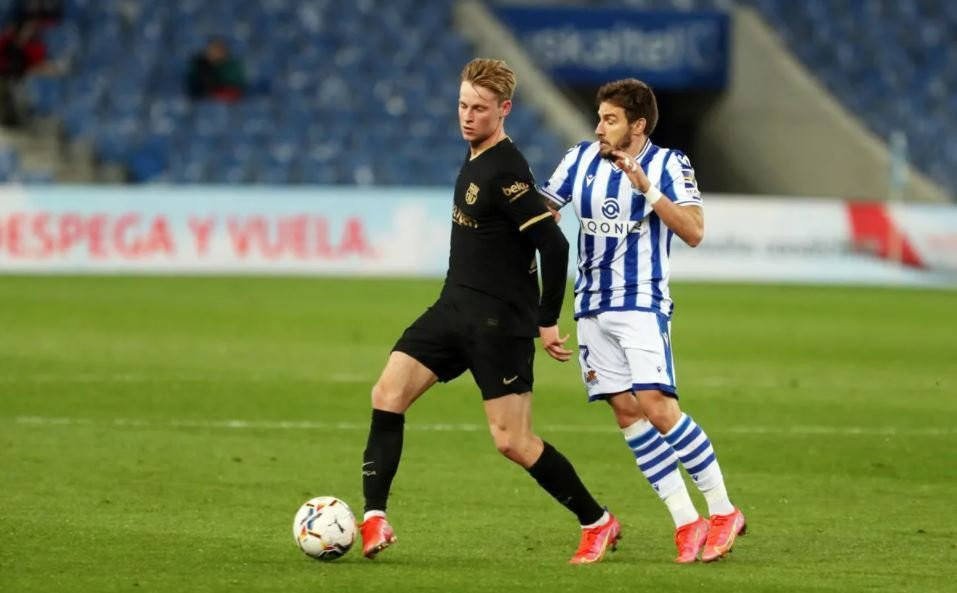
{"points": [[552, 196]]}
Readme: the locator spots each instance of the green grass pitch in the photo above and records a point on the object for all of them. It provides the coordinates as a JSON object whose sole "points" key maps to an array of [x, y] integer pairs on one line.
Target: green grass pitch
{"points": [[158, 434]]}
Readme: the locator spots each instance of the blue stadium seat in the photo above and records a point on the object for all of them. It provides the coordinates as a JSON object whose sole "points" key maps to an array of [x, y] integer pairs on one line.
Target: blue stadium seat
{"points": [[340, 92], [147, 161], [9, 162], [44, 93], [886, 62]]}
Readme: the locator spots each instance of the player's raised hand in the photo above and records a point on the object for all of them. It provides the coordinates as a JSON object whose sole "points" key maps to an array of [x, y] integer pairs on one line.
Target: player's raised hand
{"points": [[554, 344], [632, 169]]}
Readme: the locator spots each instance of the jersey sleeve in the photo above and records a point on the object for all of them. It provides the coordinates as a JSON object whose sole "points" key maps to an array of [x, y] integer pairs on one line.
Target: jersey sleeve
{"points": [[526, 208], [678, 180], [558, 189], [520, 199]]}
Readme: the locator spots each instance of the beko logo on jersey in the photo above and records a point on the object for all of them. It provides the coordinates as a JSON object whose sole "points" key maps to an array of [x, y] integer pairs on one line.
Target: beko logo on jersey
{"points": [[516, 190], [610, 228]]}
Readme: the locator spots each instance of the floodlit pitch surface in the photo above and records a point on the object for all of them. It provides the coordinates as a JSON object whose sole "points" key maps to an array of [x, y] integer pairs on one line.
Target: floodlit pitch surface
{"points": [[158, 434]]}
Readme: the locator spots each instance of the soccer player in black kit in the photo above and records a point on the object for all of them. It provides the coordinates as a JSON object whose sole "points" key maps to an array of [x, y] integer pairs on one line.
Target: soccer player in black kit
{"points": [[486, 319]]}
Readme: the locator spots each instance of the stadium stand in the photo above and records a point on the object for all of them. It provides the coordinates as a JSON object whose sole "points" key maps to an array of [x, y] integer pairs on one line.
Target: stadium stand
{"points": [[363, 92], [342, 93], [12, 169], [891, 64]]}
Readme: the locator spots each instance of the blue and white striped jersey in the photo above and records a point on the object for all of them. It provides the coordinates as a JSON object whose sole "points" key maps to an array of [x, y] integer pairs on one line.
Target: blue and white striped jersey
{"points": [[623, 246]]}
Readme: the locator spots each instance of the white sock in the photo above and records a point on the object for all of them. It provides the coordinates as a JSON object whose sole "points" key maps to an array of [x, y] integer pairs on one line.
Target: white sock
{"points": [[659, 464], [369, 514], [681, 507], [601, 521], [698, 458], [718, 501]]}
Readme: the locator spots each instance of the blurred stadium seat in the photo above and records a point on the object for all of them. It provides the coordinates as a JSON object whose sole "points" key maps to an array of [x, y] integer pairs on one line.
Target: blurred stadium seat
{"points": [[334, 87], [12, 171], [892, 64]]}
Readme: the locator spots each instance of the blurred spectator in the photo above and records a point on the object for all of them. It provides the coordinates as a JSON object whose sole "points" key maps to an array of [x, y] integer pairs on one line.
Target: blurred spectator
{"points": [[21, 49], [22, 53], [216, 74]]}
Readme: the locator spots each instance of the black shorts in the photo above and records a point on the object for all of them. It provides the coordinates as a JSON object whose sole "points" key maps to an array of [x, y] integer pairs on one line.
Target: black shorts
{"points": [[448, 343]]}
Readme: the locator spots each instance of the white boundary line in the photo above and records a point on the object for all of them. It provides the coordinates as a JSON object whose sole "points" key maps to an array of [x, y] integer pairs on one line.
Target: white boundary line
{"points": [[67, 378], [235, 424], [366, 381]]}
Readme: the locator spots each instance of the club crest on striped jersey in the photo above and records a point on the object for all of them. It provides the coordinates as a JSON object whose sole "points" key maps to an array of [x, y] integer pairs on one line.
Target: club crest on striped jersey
{"points": [[471, 194], [610, 207]]}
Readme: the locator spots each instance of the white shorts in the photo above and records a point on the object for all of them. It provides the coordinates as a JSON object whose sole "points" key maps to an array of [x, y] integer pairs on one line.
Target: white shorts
{"points": [[625, 351]]}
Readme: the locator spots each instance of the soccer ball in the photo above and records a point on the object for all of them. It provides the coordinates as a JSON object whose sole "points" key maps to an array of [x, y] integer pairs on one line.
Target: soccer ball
{"points": [[324, 528]]}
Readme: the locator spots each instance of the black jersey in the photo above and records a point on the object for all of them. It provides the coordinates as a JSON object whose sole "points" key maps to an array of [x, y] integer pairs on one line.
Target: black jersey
{"points": [[492, 263]]}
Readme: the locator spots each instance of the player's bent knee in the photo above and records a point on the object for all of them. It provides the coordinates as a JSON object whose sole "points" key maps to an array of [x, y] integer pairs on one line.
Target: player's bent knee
{"points": [[626, 408], [504, 441], [379, 393], [506, 448], [522, 449], [628, 415], [663, 412], [388, 398], [626, 419]]}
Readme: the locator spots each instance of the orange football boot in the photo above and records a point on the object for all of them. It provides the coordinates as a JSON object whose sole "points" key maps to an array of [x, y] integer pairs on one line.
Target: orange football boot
{"points": [[377, 535], [721, 534], [596, 540], [690, 538]]}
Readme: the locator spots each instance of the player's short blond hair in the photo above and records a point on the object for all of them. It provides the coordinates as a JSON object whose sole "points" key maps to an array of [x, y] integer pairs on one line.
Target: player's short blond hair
{"points": [[494, 75]]}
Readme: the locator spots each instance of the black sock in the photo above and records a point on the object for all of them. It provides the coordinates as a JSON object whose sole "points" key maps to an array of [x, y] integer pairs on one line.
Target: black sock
{"points": [[555, 474], [381, 457]]}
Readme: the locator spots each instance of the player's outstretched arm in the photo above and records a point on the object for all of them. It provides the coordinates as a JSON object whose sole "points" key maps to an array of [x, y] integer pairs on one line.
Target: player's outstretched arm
{"points": [[685, 221]]}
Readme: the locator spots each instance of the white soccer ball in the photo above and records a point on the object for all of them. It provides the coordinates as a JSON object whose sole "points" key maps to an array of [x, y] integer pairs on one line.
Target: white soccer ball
{"points": [[324, 528]]}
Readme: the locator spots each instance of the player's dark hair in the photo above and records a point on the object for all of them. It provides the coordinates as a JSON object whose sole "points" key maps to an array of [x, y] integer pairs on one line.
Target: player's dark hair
{"points": [[635, 97]]}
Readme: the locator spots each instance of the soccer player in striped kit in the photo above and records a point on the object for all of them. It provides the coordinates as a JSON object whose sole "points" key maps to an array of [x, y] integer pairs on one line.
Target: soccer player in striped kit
{"points": [[630, 197]]}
